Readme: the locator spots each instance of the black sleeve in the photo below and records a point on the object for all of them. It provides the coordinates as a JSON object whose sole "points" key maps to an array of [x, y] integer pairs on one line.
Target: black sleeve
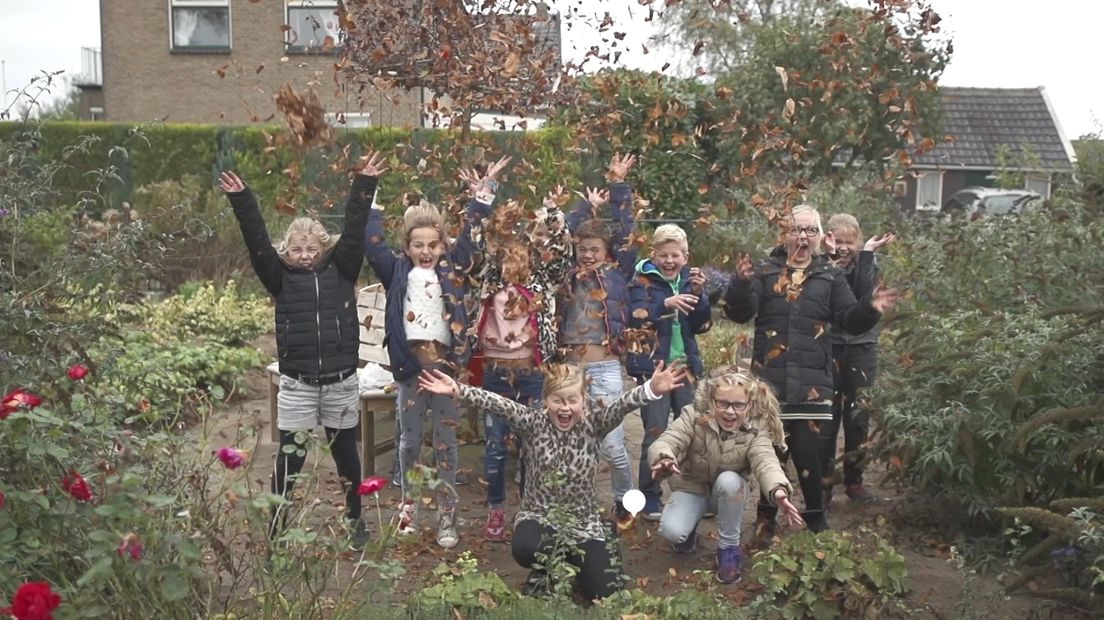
{"points": [[265, 261], [853, 316], [349, 253], [742, 298]]}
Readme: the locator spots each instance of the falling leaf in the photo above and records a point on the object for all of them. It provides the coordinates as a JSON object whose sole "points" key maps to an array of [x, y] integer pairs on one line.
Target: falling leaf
{"points": [[781, 71], [672, 572], [820, 555], [410, 316]]}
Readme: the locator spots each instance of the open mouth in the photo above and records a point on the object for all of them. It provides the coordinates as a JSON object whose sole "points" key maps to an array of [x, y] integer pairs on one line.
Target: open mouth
{"points": [[565, 420], [730, 420], [425, 262]]}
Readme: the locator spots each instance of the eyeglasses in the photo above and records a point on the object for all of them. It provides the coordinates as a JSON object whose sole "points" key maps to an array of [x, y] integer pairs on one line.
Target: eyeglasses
{"points": [[725, 405], [810, 231]]}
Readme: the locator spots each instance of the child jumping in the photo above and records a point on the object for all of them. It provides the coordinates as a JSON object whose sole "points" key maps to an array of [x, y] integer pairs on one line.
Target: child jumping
{"points": [[669, 305], [426, 326], [312, 275], [856, 359], [593, 307], [515, 334], [728, 434], [562, 442]]}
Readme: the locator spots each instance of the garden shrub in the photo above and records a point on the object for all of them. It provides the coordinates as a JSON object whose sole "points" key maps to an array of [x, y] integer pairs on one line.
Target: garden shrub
{"points": [[830, 575], [201, 310]]}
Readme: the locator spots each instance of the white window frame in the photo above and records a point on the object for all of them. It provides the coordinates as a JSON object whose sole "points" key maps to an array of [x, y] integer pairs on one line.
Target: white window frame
{"points": [[95, 113], [202, 4], [352, 120], [939, 191], [291, 37], [1039, 178]]}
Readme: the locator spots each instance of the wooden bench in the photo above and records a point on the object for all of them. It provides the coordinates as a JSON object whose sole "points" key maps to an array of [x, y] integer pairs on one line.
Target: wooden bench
{"points": [[375, 405]]}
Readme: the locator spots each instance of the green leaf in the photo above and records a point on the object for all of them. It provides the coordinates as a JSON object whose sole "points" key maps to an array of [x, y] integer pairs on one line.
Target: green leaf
{"points": [[99, 569], [160, 501], [175, 585]]}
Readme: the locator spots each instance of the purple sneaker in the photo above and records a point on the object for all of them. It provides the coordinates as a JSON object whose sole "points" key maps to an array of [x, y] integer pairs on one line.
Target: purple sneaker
{"points": [[730, 561]]}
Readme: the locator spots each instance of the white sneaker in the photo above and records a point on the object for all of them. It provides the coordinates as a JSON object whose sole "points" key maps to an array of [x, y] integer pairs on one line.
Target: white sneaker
{"points": [[447, 537], [407, 518]]}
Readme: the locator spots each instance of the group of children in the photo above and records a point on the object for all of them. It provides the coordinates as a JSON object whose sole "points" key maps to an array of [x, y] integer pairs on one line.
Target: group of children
{"points": [[535, 319]]}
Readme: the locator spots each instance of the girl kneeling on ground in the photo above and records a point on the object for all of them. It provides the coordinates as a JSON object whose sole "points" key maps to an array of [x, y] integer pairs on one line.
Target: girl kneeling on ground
{"points": [[562, 441], [728, 433]]}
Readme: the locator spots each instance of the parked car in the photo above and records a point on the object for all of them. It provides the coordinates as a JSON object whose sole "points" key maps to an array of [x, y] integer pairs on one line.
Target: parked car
{"points": [[977, 202]]}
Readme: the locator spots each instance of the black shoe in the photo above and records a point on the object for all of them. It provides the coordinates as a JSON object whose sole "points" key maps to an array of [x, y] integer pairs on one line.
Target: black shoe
{"points": [[536, 585], [358, 535], [815, 520]]}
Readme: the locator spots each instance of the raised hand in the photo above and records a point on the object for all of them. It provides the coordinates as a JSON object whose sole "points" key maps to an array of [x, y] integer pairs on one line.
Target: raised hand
{"points": [[370, 164], [665, 467], [472, 178], [874, 243], [619, 167], [744, 269], [790, 514], [682, 301], [497, 168], [555, 197], [884, 298], [597, 197], [830, 242], [668, 379], [230, 183], [697, 280], [437, 382]]}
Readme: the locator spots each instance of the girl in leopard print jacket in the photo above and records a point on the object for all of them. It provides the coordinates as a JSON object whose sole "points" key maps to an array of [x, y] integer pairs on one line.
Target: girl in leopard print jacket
{"points": [[562, 439]]}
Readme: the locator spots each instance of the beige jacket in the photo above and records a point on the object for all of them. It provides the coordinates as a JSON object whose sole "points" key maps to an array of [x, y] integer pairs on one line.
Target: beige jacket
{"points": [[694, 442]]}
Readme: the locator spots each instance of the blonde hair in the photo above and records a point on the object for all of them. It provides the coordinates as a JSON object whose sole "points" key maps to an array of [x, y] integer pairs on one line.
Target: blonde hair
{"points": [[306, 226], [844, 220], [423, 215], [764, 412], [560, 376], [670, 233]]}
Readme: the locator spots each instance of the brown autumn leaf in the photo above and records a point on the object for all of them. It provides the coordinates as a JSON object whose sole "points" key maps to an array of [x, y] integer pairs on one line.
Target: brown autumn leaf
{"points": [[775, 351], [410, 316], [781, 71]]}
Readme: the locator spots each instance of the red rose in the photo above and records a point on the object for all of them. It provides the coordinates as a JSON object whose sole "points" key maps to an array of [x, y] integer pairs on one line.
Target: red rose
{"points": [[372, 485], [18, 399], [78, 372], [34, 600], [76, 485], [130, 546], [232, 458]]}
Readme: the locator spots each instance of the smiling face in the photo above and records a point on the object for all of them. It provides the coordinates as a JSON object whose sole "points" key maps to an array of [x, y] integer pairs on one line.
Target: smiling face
{"points": [[847, 244], [730, 406], [303, 250], [565, 406], [803, 238], [425, 247], [670, 258], [589, 253]]}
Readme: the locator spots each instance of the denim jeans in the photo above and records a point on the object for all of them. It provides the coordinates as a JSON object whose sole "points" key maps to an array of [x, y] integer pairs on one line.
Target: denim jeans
{"points": [[654, 415], [522, 386], [682, 513], [413, 406], [606, 384]]}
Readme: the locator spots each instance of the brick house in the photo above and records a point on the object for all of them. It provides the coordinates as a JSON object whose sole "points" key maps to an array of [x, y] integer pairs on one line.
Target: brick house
{"points": [[221, 61], [983, 123]]}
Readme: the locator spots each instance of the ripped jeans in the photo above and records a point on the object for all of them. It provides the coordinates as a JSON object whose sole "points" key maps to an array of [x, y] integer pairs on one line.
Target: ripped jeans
{"points": [[684, 510]]}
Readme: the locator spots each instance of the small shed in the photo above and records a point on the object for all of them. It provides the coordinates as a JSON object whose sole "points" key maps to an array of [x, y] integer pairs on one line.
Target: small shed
{"points": [[979, 124]]}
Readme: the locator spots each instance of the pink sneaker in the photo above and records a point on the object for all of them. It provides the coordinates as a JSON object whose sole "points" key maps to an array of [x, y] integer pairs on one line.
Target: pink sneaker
{"points": [[495, 530]]}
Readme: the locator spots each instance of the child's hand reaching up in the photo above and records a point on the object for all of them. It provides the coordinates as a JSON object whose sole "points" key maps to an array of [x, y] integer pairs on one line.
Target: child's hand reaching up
{"points": [[619, 167], [667, 379], [437, 382], [744, 269], [230, 183], [884, 298], [370, 164], [597, 197], [875, 243]]}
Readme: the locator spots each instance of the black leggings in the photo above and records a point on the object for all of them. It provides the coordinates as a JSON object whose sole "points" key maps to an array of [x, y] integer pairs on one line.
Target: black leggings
{"points": [[288, 464], [598, 561], [804, 441]]}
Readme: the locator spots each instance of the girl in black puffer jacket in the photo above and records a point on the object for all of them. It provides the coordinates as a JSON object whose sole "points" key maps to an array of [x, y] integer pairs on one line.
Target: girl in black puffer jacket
{"points": [[795, 297], [312, 276]]}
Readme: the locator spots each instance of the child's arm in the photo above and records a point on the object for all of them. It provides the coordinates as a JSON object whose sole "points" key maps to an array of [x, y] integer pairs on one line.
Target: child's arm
{"points": [[351, 249], [621, 204], [664, 380], [672, 444], [266, 263], [853, 316], [768, 471], [381, 258], [557, 254], [466, 250], [742, 297], [700, 317], [515, 414], [646, 303]]}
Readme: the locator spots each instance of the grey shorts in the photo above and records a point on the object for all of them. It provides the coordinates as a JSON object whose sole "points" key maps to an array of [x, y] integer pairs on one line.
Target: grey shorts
{"points": [[300, 406]]}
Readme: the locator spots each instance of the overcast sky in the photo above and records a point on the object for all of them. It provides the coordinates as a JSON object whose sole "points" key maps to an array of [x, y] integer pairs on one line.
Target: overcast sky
{"points": [[997, 43]]}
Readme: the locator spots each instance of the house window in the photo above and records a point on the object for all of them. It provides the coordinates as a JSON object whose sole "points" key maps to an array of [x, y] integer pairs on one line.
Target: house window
{"points": [[349, 120], [1038, 184], [929, 190], [95, 113], [200, 25], [312, 25]]}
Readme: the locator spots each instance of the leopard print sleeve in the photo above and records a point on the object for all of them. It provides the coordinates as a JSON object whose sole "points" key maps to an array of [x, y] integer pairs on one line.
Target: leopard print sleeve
{"points": [[607, 419], [516, 415]]}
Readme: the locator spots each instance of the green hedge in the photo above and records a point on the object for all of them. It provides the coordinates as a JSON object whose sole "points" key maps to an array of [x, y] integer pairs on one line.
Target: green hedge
{"points": [[120, 158]]}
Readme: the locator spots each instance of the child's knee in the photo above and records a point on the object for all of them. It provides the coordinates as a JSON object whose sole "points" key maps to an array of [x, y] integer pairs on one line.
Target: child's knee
{"points": [[731, 485]]}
